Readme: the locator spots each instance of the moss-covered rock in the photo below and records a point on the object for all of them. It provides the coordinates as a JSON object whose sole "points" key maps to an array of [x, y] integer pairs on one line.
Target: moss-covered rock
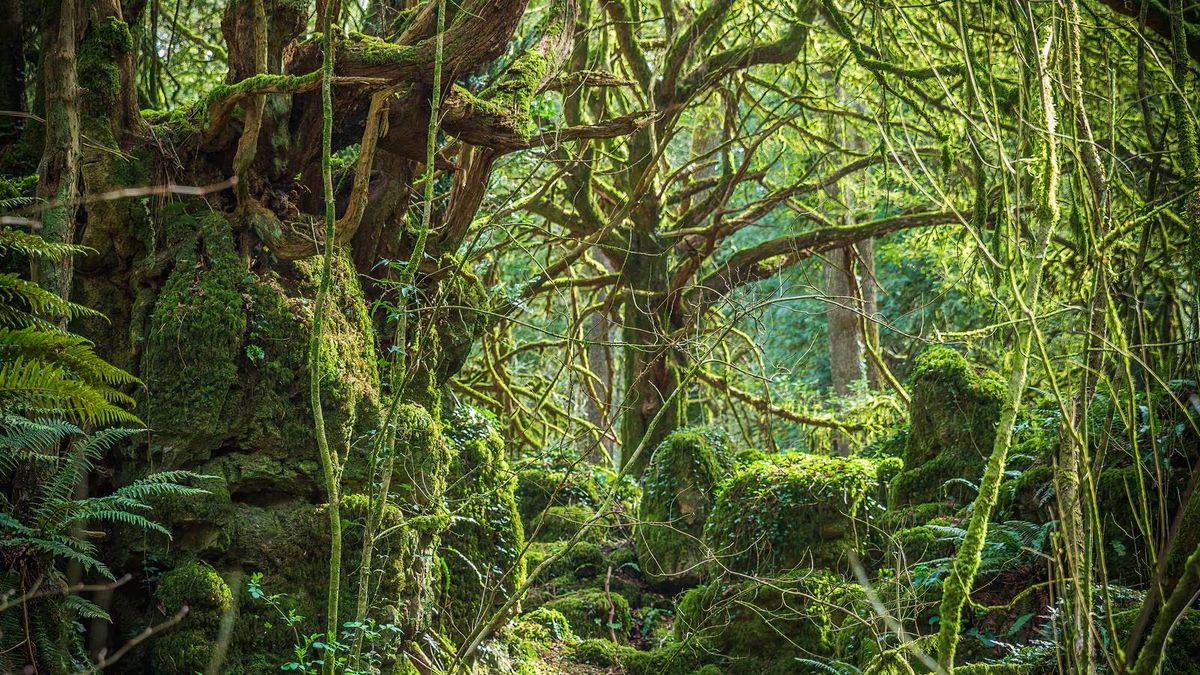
{"points": [[483, 544], [953, 414], [670, 659], [793, 615], [201, 589], [793, 510], [678, 491], [592, 613], [560, 523], [540, 488], [225, 355], [584, 560]]}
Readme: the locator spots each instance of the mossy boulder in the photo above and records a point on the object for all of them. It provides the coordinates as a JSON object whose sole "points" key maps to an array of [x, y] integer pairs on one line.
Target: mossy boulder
{"points": [[678, 492], [670, 659], [952, 425], [584, 560], [793, 510], [560, 523], [204, 592], [792, 615], [592, 613], [482, 547]]}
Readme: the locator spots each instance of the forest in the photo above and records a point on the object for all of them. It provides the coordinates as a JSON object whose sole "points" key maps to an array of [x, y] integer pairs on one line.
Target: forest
{"points": [[646, 337]]}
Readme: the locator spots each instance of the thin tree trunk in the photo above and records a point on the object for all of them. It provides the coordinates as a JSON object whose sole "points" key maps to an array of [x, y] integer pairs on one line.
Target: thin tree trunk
{"points": [[958, 584], [58, 173]]}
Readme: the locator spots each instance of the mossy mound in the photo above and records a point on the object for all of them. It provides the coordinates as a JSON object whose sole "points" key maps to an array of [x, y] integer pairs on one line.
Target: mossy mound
{"points": [[670, 659], [585, 560], [593, 613], [678, 491], [482, 546], [952, 425], [793, 510], [560, 523], [201, 589], [540, 487], [794, 615]]}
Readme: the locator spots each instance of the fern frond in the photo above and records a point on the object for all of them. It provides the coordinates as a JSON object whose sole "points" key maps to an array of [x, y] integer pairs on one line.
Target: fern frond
{"points": [[84, 608], [27, 297], [27, 384], [68, 351], [26, 243]]}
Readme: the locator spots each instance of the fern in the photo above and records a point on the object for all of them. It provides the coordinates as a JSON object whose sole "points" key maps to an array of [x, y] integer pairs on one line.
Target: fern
{"points": [[25, 243]]}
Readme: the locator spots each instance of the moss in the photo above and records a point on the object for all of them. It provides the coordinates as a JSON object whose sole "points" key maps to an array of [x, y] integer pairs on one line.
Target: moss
{"points": [[208, 598], [373, 51], [198, 586], [539, 488], [183, 652], [795, 509], [552, 625], [598, 652], [588, 612], [584, 561], [1117, 504], [190, 363], [794, 615], [923, 543], [678, 491], [483, 544], [99, 64], [671, 659], [560, 523], [1025, 496], [463, 319], [953, 414]]}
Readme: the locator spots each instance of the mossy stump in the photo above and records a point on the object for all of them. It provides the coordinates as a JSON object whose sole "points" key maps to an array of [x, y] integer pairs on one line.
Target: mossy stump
{"points": [[953, 415], [678, 491]]}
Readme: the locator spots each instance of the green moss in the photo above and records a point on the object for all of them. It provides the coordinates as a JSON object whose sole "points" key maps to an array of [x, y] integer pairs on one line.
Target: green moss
{"points": [[560, 523], [598, 652], [99, 64], [198, 586], [953, 414], [793, 510], [225, 354], [465, 316], [671, 659], [551, 625], [191, 359], [584, 561], [923, 543], [373, 51], [208, 598], [678, 491], [483, 544], [539, 488], [588, 612], [183, 651], [794, 615]]}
